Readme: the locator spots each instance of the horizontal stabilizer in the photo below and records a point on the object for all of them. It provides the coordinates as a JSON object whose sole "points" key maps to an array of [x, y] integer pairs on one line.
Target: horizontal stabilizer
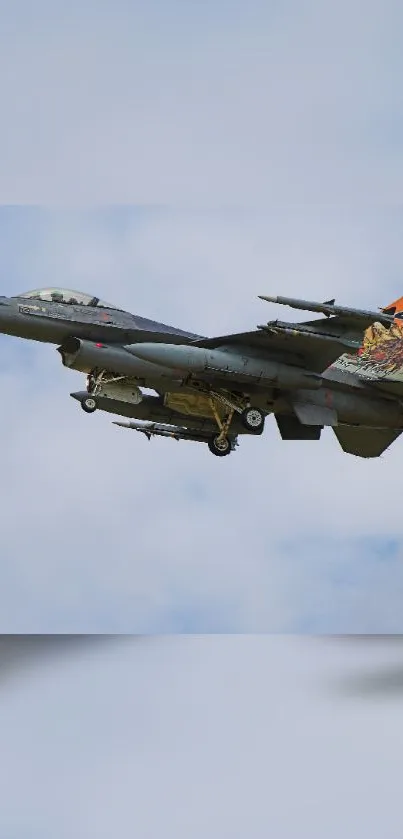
{"points": [[290, 428], [365, 442]]}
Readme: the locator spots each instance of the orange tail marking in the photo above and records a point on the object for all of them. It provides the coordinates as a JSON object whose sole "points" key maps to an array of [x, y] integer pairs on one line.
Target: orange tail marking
{"points": [[395, 308]]}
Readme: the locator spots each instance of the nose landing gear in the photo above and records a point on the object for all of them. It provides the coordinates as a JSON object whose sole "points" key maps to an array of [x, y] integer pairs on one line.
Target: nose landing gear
{"points": [[95, 381]]}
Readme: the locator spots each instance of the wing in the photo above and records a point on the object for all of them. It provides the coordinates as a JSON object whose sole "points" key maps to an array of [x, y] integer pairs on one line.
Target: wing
{"points": [[304, 347], [365, 442], [315, 344]]}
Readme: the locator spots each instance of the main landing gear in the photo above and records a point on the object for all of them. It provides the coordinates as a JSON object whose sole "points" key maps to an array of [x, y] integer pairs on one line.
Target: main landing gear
{"points": [[220, 446], [252, 419]]}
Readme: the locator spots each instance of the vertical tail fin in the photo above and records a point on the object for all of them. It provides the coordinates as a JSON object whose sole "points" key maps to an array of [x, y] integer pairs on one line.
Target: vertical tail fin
{"points": [[395, 309]]}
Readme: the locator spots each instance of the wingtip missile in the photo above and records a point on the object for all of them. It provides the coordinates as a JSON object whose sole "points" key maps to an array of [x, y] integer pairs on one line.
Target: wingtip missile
{"points": [[268, 299], [306, 305], [330, 309]]}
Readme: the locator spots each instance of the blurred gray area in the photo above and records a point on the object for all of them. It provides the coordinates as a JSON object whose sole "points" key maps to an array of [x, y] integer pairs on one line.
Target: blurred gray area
{"points": [[362, 670], [225, 736], [373, 675], [20, 653]]}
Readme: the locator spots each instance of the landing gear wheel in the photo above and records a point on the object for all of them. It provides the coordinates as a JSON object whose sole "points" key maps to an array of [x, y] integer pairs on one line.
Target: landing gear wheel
{"points": [[89, 405], [253, 420], [220, 446]]}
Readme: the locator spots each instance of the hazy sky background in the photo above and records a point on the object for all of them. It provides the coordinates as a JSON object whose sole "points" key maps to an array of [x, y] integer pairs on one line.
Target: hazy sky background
{"points": [[225, 737], [218, 103]]}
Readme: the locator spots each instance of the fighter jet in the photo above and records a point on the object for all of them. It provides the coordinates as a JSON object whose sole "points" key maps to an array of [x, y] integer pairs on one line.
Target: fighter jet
{"points": [[342, 370]]}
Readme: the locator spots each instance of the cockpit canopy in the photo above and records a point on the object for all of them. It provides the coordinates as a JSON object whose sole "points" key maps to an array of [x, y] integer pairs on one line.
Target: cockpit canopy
{"points": [[62, 295]]}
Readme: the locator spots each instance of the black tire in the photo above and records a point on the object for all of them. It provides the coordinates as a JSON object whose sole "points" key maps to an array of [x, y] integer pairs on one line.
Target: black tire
{"points": [[253, 420], [89, 405], [220, 449]]}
